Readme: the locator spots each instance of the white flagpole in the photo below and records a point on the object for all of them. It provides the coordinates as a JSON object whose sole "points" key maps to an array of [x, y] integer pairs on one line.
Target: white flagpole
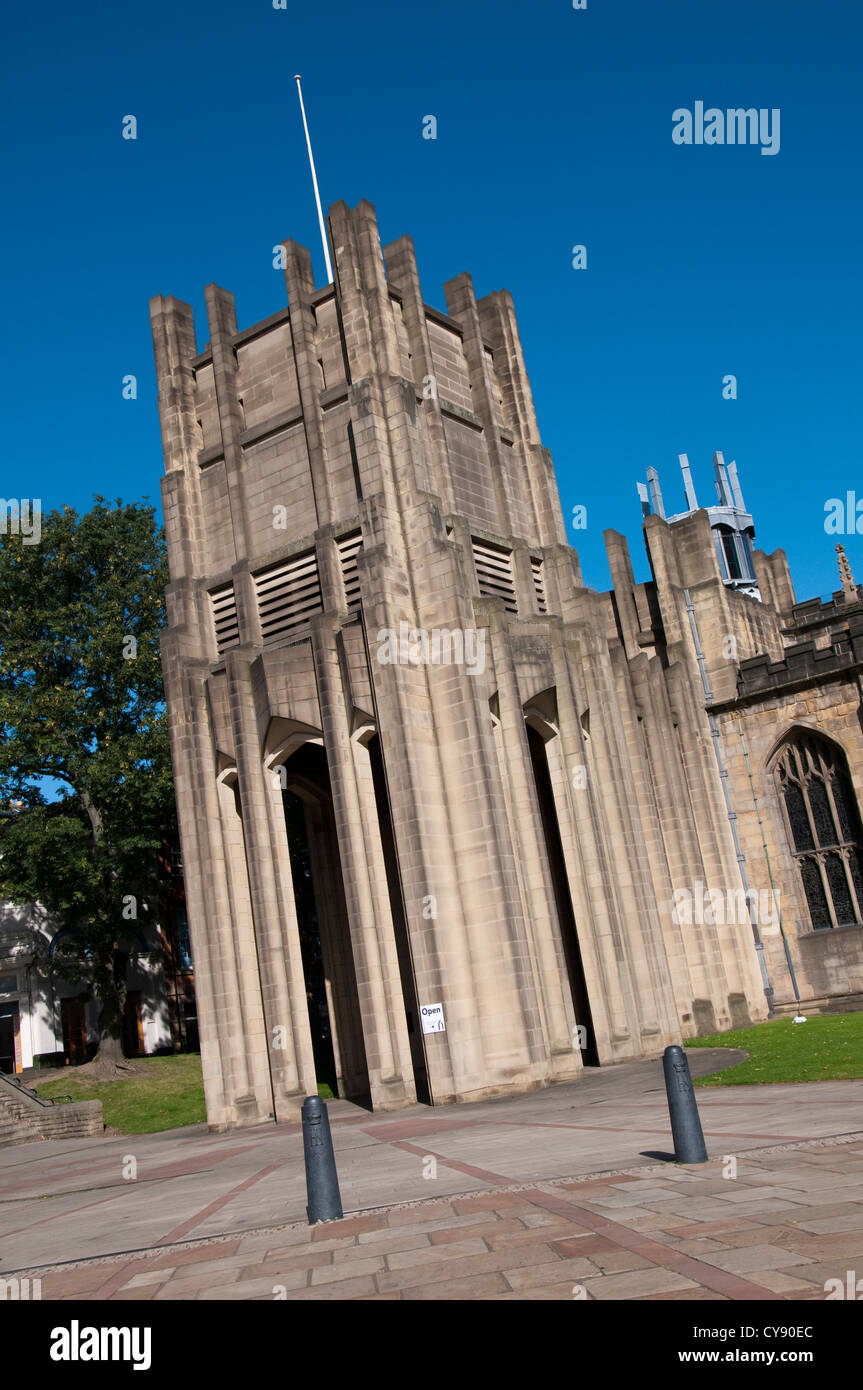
{"points": [[315, 184]]}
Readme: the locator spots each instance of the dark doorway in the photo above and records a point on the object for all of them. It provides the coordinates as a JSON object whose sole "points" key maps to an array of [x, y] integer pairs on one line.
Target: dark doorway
{"points": [[74, 1023], [563, 901], [8, 1034], [190, 1025], [310, 942], [322, 918], [133, 1025], [400, 927]]}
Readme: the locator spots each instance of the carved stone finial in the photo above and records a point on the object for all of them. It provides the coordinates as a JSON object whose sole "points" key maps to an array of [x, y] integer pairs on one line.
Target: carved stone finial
{"points": [[849, 588]]}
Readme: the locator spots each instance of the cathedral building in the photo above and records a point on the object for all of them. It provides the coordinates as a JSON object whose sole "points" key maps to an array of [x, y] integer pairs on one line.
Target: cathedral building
{"points": [[455, 825]]}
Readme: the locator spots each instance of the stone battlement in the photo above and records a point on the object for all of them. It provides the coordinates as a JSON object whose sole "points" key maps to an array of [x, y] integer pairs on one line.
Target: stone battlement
{"points": [[804, 662]]}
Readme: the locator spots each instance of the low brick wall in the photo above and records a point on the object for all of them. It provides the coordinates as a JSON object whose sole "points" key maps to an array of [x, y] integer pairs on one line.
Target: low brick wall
{"points": [[79, 1120], [39, 1119]]}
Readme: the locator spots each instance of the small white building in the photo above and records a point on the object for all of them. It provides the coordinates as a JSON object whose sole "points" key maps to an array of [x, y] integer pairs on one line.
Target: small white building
{"points": [[45, 1021]]}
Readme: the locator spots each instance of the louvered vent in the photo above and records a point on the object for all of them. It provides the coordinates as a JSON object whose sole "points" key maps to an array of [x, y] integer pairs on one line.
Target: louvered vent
{"points": [[349, 548], [538, 584], [223, 604], [288, 594], [494, 571]]}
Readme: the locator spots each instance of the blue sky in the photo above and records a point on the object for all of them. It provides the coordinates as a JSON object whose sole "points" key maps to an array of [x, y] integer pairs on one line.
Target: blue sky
{"points": [[554, 129]]}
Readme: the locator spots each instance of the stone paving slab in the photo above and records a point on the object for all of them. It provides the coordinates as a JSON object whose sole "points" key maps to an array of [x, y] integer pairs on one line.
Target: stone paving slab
{"points": [[540, 1241], [70, 1199]]}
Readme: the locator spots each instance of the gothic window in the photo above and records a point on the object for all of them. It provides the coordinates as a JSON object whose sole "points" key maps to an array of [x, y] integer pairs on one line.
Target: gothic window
{"points": [[733, 552], [824, 827], [732, 558]]}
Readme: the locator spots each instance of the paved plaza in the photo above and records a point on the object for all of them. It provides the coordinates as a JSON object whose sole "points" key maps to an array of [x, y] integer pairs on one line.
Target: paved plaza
{"points": [[562, 1193]]}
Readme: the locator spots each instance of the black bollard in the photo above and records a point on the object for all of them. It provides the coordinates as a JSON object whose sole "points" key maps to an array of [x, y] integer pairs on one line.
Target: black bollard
{"points": [[322, 1180], [689, 1146]]}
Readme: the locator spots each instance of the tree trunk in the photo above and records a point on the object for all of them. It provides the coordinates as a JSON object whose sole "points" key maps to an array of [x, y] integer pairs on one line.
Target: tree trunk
{"points": [[111, 986]]}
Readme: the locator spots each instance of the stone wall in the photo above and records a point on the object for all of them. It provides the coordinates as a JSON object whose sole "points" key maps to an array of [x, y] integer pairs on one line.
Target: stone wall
{"points": [[25, 1118]]}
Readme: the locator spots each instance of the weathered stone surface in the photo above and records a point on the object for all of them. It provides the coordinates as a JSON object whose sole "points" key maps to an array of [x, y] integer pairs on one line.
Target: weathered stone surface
{"points": [[497, 824]]}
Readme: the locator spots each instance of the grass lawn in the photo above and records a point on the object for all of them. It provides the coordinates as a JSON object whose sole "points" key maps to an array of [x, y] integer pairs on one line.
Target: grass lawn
{"points": [[165, 1093], [827, 1047]]}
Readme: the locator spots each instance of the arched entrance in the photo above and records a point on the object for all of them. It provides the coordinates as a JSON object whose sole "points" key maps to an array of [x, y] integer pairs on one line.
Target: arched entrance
{"points": [[322, 918]]}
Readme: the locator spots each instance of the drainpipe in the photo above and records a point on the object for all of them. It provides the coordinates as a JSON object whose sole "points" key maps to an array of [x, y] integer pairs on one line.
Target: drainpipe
{"points": [[729, 807]]}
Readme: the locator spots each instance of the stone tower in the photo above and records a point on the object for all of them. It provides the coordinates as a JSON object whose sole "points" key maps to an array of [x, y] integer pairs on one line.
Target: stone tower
{"points": [[732, 526], [419, 766]]}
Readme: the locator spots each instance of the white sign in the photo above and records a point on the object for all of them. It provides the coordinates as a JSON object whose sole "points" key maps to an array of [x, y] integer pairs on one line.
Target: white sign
{"points": [[432, 1016]]}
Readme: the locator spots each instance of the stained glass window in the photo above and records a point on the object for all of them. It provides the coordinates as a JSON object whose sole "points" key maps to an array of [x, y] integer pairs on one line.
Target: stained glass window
{"points": [[843, 798], [839, 889], [855, 864], [814, 889], [825, 828], [799, 820]]}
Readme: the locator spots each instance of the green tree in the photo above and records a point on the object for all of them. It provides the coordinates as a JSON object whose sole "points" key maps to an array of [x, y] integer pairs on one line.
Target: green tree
{"points": [[85, 775]]}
